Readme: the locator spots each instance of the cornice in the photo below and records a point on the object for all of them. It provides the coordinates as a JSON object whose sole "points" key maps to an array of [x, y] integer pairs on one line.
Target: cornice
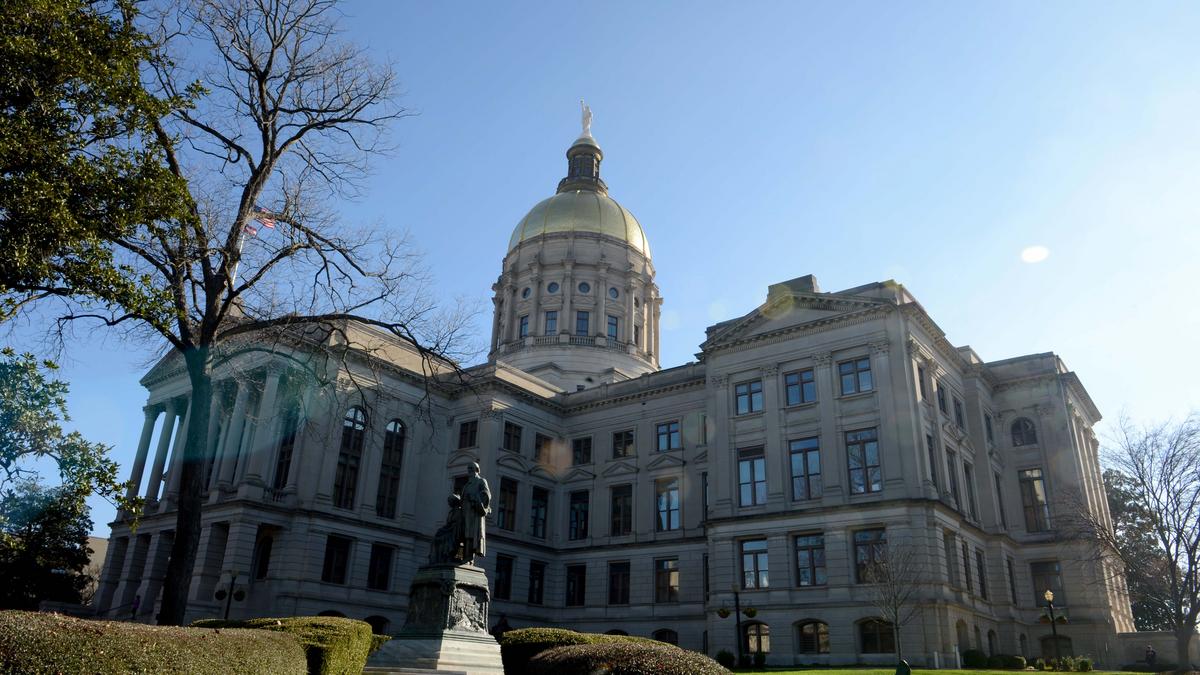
{"points": [[685, 385], [813, 327]]}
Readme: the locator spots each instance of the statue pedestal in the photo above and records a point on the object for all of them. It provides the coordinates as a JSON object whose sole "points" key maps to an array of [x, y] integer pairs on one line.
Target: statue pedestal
{"points": [[446, 629]]}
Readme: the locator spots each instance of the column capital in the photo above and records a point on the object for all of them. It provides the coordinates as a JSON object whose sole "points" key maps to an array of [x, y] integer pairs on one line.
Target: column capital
{"points": [[823, 358], [152, 410]]}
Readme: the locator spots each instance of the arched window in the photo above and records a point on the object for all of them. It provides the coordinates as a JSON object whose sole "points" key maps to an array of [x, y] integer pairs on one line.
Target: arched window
{"points": [[960, 632], [993, 643], [1023, 432], [379, 624], [813, 637], [389, 470], [666, 635], [354, 429], [757, 637], [978, 640], [876, 637], [1024, 643], [615, 631], [1052, 651], [332, 612]]}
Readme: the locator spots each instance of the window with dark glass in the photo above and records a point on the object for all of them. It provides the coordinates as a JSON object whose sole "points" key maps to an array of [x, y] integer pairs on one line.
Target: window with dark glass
{"points": [[612, 327], [576, 585], [966, 565], [667, 503], [1023, 432], [389, 470], [856, 376], [539, 503], [981, 572], [748, 396], [806, 468], [668, 436], [621, 512], [379, 569], [523, 327], [862, 453], [704, 491], [960, 420], [337, 559], [814, 637], [622, 444], [262, 555], [541, 448], [577, 520], [506, 505], [502, 589], [618, 583], [810, 560], [1033, 499], [467, 433], [1047, 576], [870, 549], [512, 437], [581, 450], [952, 477], [932, 459], [1000, 502], [969, 480], [666, 580], [752, 477], [876, 637], [800, 387], [537, 581], [345, 480], [921, 383], [987, 429], [1012, 580], [290, 426], [581, 322], [551, 323], [637, 335], [941, 399], [754, 563], [951, 558]]}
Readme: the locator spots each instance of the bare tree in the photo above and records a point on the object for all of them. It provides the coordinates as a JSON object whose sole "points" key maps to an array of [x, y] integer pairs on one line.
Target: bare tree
{"points": [[896, 578]]}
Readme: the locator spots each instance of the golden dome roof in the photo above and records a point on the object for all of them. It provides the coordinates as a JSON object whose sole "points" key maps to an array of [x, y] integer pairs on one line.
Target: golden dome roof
{"points": [[581, 211]]}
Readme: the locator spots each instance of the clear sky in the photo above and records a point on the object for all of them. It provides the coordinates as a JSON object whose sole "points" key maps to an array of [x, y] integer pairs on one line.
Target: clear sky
{"points": [[930, 143]]}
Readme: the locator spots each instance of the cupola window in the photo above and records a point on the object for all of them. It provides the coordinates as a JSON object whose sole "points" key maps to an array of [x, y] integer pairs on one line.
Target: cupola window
{"points": [[553, 287], [525, 293], [585, 287], [613, 293]]}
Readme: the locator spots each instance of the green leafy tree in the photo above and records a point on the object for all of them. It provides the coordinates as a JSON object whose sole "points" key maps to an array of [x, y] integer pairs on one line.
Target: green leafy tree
{"points": [[43, 546], [1145, 564]]}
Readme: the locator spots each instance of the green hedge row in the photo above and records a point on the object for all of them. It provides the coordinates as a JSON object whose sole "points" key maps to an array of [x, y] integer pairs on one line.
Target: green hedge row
{"points": [[332, 645], [517, 647], [34, 643], [623, 658]]}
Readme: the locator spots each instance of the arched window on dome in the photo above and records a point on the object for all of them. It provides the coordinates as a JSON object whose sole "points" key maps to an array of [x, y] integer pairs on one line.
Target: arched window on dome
{"points": [[1023, 432], [345, 481], [389, 470], [812, 637]]}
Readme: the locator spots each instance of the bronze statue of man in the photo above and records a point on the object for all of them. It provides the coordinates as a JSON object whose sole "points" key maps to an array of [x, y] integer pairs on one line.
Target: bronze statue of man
{"points": [[476, 505]]}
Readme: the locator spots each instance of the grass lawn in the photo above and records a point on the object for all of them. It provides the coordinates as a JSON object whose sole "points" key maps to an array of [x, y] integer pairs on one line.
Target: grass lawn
{"points": [[892, 671]]}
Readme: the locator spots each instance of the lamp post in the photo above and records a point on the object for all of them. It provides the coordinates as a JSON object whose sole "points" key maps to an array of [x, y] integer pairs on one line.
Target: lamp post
{"points": [[1049, 596], [230, 594], [737, 615]]}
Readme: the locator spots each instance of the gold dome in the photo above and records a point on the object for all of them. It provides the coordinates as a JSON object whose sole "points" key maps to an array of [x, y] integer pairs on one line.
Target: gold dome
{"points": [[581, 211]]}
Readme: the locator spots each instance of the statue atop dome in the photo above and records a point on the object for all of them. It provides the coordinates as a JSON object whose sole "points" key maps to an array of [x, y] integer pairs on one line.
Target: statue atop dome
{"points": [[587, 118]]}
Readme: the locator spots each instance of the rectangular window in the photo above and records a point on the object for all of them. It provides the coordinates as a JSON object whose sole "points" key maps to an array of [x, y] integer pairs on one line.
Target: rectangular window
{"points": [[379, 569], [668, 436], [467, 433], [966, 564], [621, 522], [637, 335], [806, 468], [959, 418], [512, 437], [613, 325], [618, 583], [1033, 500], [581, 322], [577, 521], [870, 549], [581, 450], [504, 574], [622, 444], [862, 452], [538, 506], [981, 572], [987, 428], [666, 494], [754, 563], [523, 327], [752, 477], [952, 477], [856, 376], [704, 491], [506, 505], [951, 558], [537, 581], [810, 560], [941, 399], [1012, 581], [921, 383], [748, 396], [337, 559], [551, 323], [800, 387], [666, 580], [541, 448], [1047, 576], [1000, 502], [969, 480], [932, 459], [576, 585]]}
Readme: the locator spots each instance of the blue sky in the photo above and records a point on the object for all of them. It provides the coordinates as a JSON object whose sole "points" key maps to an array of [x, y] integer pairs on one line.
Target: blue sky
{"points": [[925, 142]]}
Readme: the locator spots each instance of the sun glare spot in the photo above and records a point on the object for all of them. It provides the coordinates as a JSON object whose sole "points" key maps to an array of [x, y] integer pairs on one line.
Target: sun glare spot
{"points": [[1034, 254]]}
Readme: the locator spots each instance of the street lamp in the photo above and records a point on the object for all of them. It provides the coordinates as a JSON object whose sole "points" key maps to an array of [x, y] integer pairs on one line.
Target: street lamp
{"points": [[1049, 596], [230, 594]]}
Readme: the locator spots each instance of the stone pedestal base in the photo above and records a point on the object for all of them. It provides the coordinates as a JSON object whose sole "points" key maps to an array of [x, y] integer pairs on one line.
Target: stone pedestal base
{"points": [[446, 629]]}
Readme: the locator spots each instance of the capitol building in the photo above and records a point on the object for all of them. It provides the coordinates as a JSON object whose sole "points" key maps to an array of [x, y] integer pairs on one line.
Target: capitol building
{"points": [[810, 436]]}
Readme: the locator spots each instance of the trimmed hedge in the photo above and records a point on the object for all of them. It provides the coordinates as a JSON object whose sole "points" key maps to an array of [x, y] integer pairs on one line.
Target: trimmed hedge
{"points": [[974, 658], [33, 642], [517, 647], [623, 658], [333, 645]]}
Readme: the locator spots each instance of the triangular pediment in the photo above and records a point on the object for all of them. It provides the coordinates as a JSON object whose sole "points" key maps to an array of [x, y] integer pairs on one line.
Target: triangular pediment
{"points": [[666, 460], [578, 474], [788, 311], [619, 469]]}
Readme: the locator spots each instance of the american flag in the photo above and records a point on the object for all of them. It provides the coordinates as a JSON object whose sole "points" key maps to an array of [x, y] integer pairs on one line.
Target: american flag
{"points": [[263, 216]]}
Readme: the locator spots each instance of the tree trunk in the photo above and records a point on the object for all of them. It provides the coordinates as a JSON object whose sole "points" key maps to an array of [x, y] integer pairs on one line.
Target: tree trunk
{"points": [[1183, 643], [187, 522], [899, 646]]}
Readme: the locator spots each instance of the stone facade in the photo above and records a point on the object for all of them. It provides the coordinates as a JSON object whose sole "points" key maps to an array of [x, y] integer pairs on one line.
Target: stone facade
{"points": [[629, 498]]}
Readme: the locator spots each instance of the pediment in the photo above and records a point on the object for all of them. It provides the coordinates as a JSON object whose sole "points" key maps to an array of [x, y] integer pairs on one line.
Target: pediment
{"points": [[513, 461], [461, 459], [539, 471], [578, 474], [701, 458], [788, 311], [666, 460], [625, 468]]}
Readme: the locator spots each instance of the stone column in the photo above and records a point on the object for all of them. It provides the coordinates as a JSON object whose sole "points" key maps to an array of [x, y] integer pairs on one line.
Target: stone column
{"points": [[657, 313], [260, 449], [160, 454], [835, 486], [510, 312], [372, 457], [175, 473], [139, 462], [214, 420], [154, 573], [629, 322], [497, 338], [233, 437]]}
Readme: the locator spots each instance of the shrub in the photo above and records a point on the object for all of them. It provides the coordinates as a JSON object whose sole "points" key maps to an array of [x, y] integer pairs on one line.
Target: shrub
{"points": [[1013, 662], [517, 647], [1040, 664], [32, 642], [1083, 664], [623, 658], [333, 645], [973, 658], [760, 660], [726, 658]]}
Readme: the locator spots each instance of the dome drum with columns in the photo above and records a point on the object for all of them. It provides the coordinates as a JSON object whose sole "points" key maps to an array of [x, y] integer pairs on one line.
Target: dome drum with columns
{"points": [[576, 303]]}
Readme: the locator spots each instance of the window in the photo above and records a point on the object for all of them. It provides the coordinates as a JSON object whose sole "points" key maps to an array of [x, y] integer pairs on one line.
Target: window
{"points": [[1033, 499], [987, 428], [287, 444], [856, 376], [581, 323], [814, 637], [876, 637], [1000, 502], [669, 636], [537, 581], [613, 293], [552, 287], [941, 399], [337, 559], [1047, 576], [704, 491], [637, 335], [667, 503], [379, 569], [952, 476], [525, 293], [966, 564], [577, 526], [666, 580], [345, 481], [800, 387], [1012, 580], [969, 480], [504, 575], [754, 563], [467, 433], [668, 436], [1023, 432], [757, 637], [618, 583], [537, 512], [862, 452], [810, 560], [506, 505], [512, 437], [806, 468], [612, 327], [921, 383], [932, 459], [262, 555], [585, 287], [389, 470], [622, 444], [541, 448], [621, 522], [576, 585], [951, 559], [523, 327], [749, 397], [581, 450], [960, 419], [551, 323], [752, 477], [981, 572], [870, 549]]}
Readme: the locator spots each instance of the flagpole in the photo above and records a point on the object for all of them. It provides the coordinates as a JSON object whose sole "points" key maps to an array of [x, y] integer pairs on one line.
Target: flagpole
{"points": [[241, 241]]}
